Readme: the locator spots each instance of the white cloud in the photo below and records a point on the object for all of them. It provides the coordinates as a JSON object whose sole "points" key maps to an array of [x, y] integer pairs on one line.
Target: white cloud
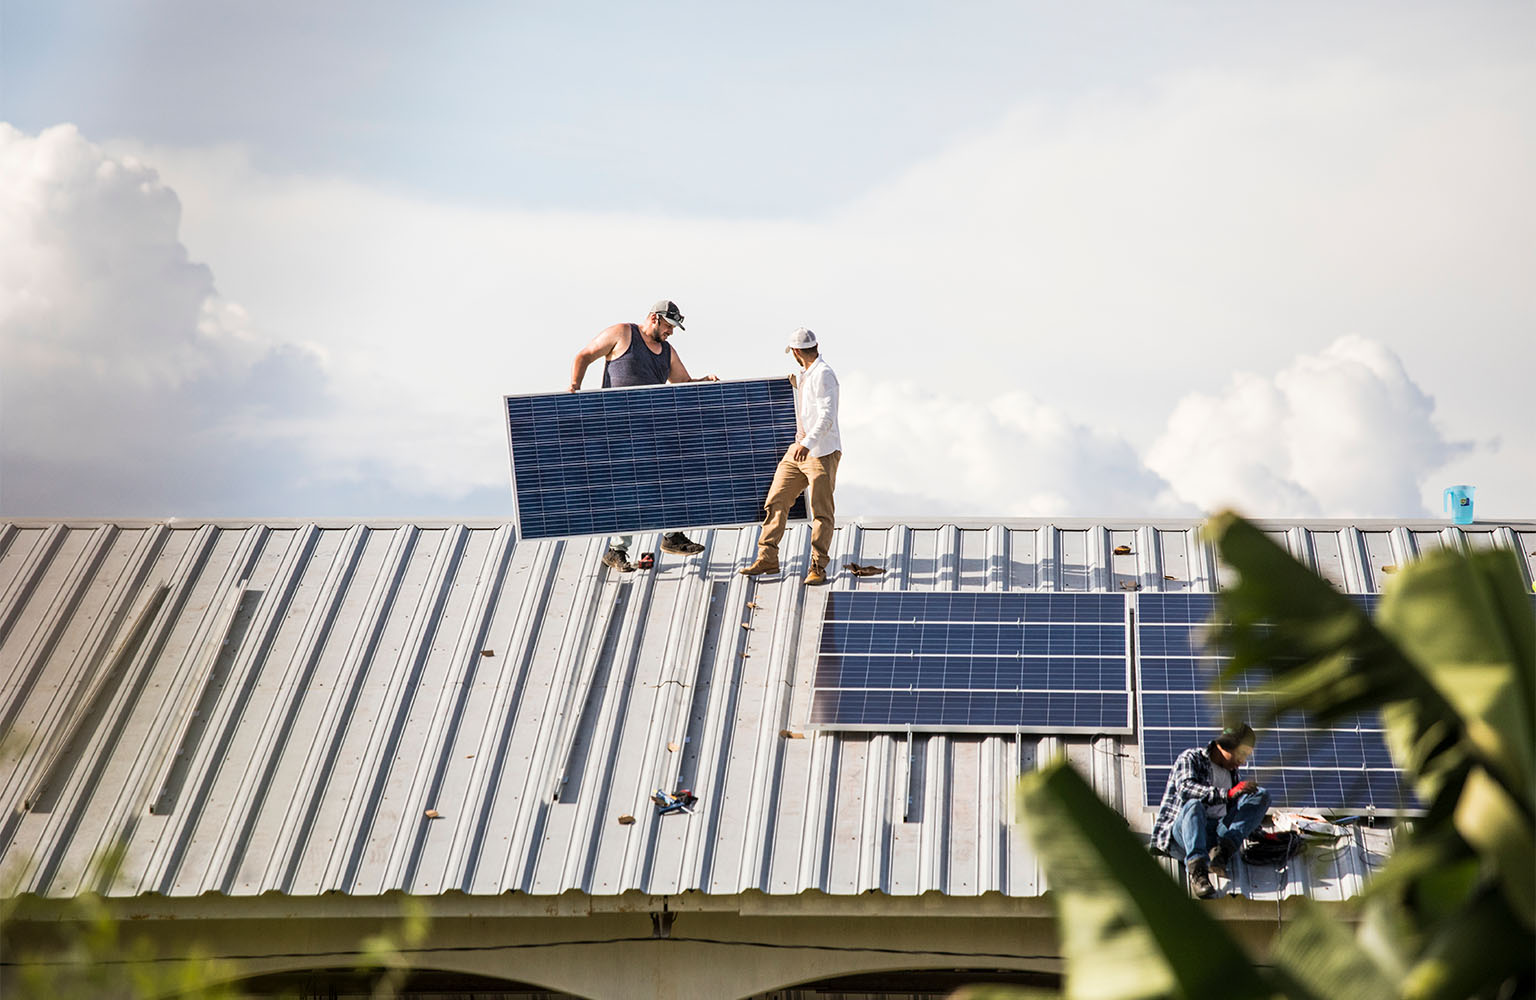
{"points": [[910, 450], [123, 367], [1107, 257], [129, 385], [1345, 432], [1086, 265]]}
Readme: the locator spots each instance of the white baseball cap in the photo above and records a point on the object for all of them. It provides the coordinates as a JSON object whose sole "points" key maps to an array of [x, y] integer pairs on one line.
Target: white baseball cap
{"points": [[802, 339]]}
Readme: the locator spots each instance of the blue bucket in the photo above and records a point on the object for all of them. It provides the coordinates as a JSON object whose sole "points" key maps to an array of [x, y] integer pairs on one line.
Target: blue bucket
{"points": [[1458, 500]]}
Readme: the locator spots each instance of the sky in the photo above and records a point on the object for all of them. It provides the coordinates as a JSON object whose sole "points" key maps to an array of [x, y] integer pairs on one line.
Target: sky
{"points": [[1099, 259]]}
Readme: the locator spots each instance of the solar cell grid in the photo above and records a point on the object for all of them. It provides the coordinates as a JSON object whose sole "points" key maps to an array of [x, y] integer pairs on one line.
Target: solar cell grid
{"points": [[934, 660], [645, 459], [973, 607], [1304, 764]]}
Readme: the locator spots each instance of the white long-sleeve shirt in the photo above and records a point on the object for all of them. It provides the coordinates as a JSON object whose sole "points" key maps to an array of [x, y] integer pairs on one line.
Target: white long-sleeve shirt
{"points": [[816, 410]]}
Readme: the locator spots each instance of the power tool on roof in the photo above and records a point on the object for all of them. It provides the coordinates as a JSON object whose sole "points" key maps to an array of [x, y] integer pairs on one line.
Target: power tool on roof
{"points": [[681, 800]]}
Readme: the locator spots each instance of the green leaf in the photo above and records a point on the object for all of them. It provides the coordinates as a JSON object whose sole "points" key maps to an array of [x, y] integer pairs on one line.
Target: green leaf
{"points": [[1468, 626], [1317, 955], [1473, 954], [1451, 665], [1470, 629], [1127, 929], [1488, 819]]}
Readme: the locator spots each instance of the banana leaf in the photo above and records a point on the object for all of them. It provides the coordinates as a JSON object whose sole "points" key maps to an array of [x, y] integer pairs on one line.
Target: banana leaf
{"points": [[1127, 929]]}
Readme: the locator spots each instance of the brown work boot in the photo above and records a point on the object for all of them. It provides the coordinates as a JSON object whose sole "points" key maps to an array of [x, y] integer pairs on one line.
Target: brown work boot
{"points": [[817, 575], [1200, 878], [763, 564], [618, 559], [1221, 858]]}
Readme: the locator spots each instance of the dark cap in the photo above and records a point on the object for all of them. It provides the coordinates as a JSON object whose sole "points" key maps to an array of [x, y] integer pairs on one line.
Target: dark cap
{"points": [[1236, 735], [668, 310]]}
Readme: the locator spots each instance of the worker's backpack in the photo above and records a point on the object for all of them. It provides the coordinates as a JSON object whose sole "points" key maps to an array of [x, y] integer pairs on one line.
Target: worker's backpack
{"points": [[1266, 848]]}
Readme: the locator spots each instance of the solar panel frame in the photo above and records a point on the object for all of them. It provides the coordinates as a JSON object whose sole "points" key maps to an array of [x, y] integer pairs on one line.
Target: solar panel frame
{"points": [[977, 613], [610, 448], [1173, 680]]}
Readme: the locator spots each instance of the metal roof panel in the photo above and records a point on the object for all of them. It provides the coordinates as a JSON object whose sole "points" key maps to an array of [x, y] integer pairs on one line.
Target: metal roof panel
{"points": [[274, 706]]}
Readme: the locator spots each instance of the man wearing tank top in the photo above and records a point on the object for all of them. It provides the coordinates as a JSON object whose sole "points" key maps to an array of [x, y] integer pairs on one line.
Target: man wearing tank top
{"points": [[638, 354]]}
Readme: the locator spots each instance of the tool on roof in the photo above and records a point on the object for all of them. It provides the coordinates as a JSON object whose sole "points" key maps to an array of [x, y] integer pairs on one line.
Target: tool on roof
{"points": [[647, 560], [681, 800]]}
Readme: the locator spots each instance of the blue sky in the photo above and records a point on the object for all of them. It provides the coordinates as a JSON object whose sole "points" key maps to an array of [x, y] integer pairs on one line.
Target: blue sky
{"points": [[694, 108], [1108, 258]]}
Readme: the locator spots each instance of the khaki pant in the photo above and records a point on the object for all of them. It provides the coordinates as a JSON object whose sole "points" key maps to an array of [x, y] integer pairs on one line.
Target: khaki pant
{"points": [[792, 478]]}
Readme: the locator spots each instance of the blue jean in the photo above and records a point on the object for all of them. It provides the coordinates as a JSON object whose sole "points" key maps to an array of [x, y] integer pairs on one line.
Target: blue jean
{"points": [[1196, 833]]}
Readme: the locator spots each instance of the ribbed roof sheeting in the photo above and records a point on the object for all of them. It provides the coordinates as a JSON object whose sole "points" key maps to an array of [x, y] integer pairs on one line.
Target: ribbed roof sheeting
{"points": [[253, 707]]}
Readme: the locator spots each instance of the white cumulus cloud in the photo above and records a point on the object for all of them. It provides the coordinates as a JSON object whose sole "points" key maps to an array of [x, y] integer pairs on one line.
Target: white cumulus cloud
{"points": [[127, 379], [911, 450], [129, 385], [1343, 432], [1107, 255]]}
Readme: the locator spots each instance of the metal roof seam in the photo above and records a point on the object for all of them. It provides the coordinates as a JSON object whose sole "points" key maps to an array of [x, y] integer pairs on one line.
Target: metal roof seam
{"points": [[386, 812], [115, 694], [353, 826], [428, 784], [339, 709], [530, 610], [335, 591]]}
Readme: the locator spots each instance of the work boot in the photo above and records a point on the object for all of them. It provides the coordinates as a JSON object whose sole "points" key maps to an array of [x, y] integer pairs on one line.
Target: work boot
{"points": [[678, 543], [1221, 858], [1200, 878], [817, 575], [618, 559], [763, 564]]}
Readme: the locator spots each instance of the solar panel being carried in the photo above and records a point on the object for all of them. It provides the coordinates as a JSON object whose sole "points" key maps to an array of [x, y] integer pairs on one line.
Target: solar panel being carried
{"points": [[651, 458], [973, 661], [1305, 765]]}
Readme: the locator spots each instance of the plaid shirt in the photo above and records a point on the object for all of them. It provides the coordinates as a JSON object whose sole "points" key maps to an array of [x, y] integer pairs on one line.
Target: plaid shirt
{"points": [[1191, 778]]}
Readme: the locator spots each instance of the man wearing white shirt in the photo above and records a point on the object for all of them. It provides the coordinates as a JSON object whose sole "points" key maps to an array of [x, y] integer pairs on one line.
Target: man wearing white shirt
{"points": [[810, 464]]}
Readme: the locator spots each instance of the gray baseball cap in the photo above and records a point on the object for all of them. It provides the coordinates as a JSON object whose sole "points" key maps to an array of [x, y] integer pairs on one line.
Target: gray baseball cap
{"points": [[801, 338], [668, 310]]}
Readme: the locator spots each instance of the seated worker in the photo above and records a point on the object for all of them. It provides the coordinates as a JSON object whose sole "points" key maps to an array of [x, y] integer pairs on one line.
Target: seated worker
{"points": [[810, 464], [1208, 809], [638, 354]]}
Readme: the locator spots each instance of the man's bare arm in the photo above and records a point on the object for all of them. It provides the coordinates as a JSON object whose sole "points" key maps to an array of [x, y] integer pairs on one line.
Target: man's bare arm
{"points": [[679, 372], [604, 345]]}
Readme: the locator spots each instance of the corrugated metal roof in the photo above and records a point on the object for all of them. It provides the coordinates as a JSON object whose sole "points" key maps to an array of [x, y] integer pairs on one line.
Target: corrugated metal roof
{"points": [[256, 707]]}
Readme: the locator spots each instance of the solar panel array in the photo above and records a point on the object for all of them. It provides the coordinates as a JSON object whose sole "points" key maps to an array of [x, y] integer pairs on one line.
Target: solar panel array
{"points": [[656, 458], [1344, 765], [973, 661]]}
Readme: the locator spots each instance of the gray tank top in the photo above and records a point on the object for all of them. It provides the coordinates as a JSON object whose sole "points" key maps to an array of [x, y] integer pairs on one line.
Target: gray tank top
{"points": [[638, 366]]}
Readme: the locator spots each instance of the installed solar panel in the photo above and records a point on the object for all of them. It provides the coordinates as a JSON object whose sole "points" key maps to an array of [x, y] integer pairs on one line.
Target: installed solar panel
{"points": [[653, 458], [1305, 765], [973, 661]]}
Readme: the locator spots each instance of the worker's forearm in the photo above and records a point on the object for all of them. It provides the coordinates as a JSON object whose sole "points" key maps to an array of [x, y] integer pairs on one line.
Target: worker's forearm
{"points": [[1195, 790], [579, 371]]}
